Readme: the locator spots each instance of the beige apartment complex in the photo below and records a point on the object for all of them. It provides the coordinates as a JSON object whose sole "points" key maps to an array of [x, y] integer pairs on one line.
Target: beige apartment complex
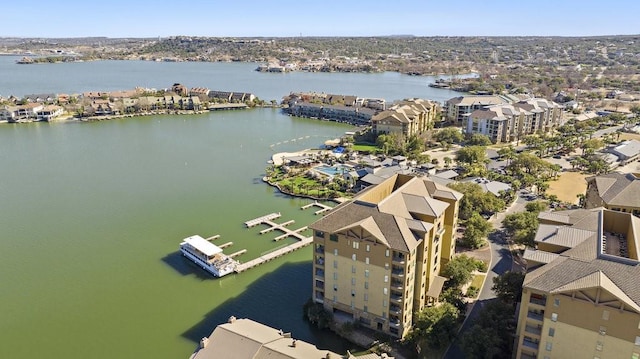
{"points": [[511, 122], [408, 117], [581, 295], [457, 109], [615, 191], [378, 256]]}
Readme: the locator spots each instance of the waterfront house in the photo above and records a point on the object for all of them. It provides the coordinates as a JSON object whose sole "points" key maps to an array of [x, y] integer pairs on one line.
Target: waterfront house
{"points": [[47, 98], [220, 95], [29, 111], [377, 257], [49, 113], [9, 113], [408, 118]]}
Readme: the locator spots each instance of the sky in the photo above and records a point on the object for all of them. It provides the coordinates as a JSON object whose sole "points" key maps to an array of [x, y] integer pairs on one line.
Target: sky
{"points": [[285, 18]]}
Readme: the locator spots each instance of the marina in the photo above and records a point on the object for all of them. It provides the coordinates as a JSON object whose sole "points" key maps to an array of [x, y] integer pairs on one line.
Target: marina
{"points": [[323, 207]]}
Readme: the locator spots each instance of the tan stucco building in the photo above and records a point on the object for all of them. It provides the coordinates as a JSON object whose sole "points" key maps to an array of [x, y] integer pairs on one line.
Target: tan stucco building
{"points": [[616, 191], [408, 117], [378, 256], [248, 339], [581, 296]]}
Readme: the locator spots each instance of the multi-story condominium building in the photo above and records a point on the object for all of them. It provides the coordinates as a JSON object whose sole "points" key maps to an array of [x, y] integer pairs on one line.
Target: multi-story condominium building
{"points": [[378, 256], [581, 296], [616, 191], [507, 123], [248, 339], [408, 117], [457, 109]]}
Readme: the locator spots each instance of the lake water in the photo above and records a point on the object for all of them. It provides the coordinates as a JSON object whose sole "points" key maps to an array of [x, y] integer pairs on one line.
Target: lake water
{"points": [[92, 214]]}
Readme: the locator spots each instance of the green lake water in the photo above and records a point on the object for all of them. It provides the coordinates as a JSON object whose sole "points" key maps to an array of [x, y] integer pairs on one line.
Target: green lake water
{"points": [[92, 215]]}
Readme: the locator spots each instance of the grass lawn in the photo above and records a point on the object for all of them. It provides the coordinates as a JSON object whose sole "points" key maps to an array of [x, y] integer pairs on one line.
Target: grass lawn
{"points": [[477, 280], [568, 186], [364, 148]]}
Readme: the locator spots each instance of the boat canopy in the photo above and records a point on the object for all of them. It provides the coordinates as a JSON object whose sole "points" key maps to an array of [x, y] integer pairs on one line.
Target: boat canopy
{"points": [[207, 248]]}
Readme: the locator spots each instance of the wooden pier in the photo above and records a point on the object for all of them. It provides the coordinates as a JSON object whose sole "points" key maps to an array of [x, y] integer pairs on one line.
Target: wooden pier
{"points": [[323, 207], [303, 241], [272, 255], [233, 255], [213, 238], [223, 246], [259, 220]]}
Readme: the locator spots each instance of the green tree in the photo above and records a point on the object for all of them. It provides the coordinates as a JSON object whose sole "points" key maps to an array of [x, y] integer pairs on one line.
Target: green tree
{"points": [[434, 327], [476, 230], [448, 136], [478, 139], [459, 270], [522, 227], [491, 335], [475, 200], [508, 286]]}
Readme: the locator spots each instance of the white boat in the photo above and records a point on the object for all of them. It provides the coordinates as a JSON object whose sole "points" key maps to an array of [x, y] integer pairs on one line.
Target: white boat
{"points": [[208, 256]]}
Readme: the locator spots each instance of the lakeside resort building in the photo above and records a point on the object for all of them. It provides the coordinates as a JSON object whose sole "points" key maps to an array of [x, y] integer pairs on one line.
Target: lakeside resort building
{"points": [[458, 108], [377, 257], [581, 295], [248, 339], [511, 122], [408, 118]]}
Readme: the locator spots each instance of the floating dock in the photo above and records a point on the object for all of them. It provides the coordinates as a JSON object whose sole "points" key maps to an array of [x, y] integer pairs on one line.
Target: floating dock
{"points": [[303, 241], [323, 207]]}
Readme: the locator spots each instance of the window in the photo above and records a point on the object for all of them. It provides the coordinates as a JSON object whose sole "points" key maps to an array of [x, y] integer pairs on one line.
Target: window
{"points": [[366, 260], [386, 253], [386, 278], [335, 275], [356, 245], [353, 293], [366, 273], [320, 234], [335, 298], [353, 269], [365, 309], [605, 315], [599, 346], [366, 297], [556, 302], [335, 287], [549, 346], [335, 264], [602, 330], [333, 237], [335, 252], [353, 256], [384, 303], [637, 341], [384, 291], [366, 285], [554, 317], [552, 332], [353, 281], [368, 248], [386, 266]]}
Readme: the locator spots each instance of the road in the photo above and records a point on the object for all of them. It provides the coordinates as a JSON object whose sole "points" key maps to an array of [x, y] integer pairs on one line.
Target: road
{"points": [[501, 261]]}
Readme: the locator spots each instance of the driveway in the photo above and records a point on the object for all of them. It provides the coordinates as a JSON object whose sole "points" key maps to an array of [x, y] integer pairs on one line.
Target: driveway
{"points": [[501, 262]]}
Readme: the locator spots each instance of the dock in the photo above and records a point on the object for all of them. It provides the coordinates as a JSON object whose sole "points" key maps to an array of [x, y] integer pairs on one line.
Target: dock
{"points": [[212, 238], [323, 207], [223, 246], [272, 255], [303, 241], [242, 251], [259, 220]]}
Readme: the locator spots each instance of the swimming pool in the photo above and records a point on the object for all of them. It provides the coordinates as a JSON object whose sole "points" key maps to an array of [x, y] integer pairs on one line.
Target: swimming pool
{"points": [[333, 170]]}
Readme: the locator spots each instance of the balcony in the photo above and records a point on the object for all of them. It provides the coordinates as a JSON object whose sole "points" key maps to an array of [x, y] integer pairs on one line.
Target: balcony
{"points": [[394, 309], [397, 272], [538, 301], [319, 284], [530, 344], [319, 261], [319, 273], [320, 250], [398, 259], [535, 315], [396, 298], [396, 284], [537, 330]]}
